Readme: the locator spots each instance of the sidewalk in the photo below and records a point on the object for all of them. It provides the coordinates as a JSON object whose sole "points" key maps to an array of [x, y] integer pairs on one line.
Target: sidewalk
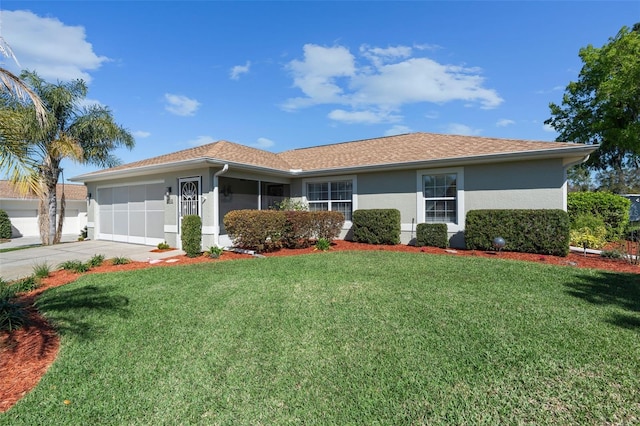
{"points": [[19, 263]]}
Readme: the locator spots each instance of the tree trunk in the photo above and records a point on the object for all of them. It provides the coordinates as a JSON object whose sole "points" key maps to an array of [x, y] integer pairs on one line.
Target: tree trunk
{"points": [[49, 173]]}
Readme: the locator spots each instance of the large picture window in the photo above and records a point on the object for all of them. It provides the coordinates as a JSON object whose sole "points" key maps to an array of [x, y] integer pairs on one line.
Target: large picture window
{"points": [[440, 198], [331, 196]]}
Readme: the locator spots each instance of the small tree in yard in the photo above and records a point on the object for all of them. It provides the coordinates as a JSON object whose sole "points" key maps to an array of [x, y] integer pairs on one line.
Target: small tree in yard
{"points": [[192, 235], [5, 225]]}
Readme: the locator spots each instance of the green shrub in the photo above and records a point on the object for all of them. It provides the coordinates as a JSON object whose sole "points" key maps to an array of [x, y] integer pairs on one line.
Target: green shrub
{"points": [[163, 246], [41, 270], [95, 261], [74, 265], [432, 235], [292, 205], [259, 230], [25, 284], [323, 244], [13, 314], [588, 232], [120, 260], [214, 252], [327, 224], [299, 229], [528, 231], [192, 235], [5, 226], [376, 226], [613, 209]]}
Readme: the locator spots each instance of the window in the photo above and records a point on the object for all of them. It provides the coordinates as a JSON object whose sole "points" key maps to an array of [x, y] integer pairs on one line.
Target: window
{"points": [[440, 198], [332, 196]]}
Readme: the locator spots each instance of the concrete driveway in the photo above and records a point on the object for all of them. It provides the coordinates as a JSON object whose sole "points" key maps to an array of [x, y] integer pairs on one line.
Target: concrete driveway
{"points": [[19, 263]]}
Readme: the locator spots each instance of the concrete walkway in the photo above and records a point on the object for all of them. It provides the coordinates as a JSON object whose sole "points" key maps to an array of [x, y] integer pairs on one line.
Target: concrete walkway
{"points": [[19, 263]]}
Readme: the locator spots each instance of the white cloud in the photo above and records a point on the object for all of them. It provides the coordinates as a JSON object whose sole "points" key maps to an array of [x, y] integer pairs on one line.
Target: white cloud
{"points": [[462, 129], [391, 78], [317, 75], [141, 134], [504, 122], [397, 130], [263, 143], [54, 50], [363, 117], [548, 128], [239, 70], [180, 105], [201, 140]]}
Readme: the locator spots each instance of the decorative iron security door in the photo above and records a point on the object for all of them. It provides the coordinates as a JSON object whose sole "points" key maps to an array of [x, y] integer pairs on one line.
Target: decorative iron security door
{"points": [[189, 197]]}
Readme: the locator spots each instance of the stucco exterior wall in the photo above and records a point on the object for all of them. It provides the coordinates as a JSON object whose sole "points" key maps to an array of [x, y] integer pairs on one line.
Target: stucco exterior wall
{"points": [[521, 185]]}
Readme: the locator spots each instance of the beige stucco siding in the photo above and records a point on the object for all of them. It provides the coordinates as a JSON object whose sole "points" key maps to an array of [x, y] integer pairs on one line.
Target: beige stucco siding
{"points": [[521, 185], [389, 190]]}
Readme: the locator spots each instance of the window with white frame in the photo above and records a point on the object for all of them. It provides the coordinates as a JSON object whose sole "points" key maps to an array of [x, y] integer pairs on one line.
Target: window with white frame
{"points": [[440, 193], [331, 196]]}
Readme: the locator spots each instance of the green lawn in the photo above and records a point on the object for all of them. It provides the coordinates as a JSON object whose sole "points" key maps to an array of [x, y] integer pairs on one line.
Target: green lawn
{"points": [[343, 338]]}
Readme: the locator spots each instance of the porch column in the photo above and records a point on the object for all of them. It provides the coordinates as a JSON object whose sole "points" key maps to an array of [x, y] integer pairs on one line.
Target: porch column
{"points": [[216, 205]]}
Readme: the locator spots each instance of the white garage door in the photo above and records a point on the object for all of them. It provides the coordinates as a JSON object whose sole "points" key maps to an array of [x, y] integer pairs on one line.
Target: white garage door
{"points": [[133, 214]]}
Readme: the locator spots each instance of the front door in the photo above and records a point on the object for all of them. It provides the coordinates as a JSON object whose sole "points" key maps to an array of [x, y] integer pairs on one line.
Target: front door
{"points": [[189, 200]]}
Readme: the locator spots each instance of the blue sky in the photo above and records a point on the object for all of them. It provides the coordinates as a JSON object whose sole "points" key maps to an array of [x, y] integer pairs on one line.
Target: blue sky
{"points": [[284, 75]]}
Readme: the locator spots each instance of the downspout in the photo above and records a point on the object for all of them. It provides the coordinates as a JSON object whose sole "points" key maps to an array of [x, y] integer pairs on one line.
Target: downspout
{"points": [[216, 205], [565, 188]]}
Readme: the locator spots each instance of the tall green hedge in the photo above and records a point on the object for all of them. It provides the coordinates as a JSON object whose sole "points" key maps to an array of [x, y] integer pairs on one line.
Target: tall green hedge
{"points": [[612, 208], [5, 225], [528, 231], [192, 235], [376, 226], [432, 235]]}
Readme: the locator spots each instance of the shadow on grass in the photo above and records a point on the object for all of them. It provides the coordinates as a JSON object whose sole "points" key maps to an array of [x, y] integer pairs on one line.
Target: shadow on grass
{"points": [[606, 288], [73, 312]]}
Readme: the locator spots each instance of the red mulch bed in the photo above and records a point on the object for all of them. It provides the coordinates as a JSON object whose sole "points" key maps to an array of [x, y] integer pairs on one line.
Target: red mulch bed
{"points": [[26, 354]]}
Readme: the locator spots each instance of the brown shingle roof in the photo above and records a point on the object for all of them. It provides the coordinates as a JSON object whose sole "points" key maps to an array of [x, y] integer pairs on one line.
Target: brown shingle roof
{"points": [[221, 150], [71, 191], [391, 150], [406, 148]]}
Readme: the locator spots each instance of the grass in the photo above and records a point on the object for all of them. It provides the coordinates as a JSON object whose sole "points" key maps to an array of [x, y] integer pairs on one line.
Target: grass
{"points": [[343, 338]]}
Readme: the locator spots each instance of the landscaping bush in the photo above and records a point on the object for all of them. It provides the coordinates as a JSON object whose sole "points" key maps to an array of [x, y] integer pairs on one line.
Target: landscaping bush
{"points": [[528, 231], [298, 229], [588, 232], [13, 314], [5, 226], [259, 230], [327, 224], [376, 226], [612, 208], [432, 235], [192, 235]]}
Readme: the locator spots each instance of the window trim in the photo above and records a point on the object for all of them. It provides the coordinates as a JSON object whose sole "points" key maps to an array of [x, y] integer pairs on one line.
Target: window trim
{"points": [[354, 191], [420, 200]]}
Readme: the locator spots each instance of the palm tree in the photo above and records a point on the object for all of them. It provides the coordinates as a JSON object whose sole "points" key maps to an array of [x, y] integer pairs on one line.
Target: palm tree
{"points": [[14, 158], [87, 135]]}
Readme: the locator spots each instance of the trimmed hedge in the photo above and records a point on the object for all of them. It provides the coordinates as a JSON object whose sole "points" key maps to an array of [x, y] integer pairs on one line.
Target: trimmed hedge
{"points": [[299, 229], [327, 224], [192, 235], [612, 208], [5, 225], [265, 230], [432, 235], [259, 230], [376, 226], [528, 231]]}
